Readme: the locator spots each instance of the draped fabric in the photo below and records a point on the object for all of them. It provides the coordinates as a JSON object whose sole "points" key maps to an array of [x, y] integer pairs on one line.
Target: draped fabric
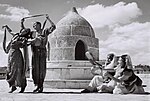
{"points": [[129, 62], [15, 75], [131, 83], [15, 68], [48, 51], [26, 57], [4, 41], [98, 81]]}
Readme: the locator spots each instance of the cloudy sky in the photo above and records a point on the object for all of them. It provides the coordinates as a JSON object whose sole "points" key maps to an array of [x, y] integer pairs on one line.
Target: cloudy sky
{"points": [[122, 26]]}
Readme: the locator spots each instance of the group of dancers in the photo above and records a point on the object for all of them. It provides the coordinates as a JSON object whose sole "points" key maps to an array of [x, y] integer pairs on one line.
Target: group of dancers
{"points": [[117, 76], [18, 60]]}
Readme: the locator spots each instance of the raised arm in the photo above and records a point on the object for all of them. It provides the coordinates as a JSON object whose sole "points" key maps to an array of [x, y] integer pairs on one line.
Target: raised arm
{"points": [[8, 29], [44, 24], [50, 20], [22, 23], [52, 27]]}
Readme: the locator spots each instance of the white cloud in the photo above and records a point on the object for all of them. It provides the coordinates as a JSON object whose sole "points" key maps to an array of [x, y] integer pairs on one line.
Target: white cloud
{"points": [[133, 36], [132, 39], [4, 5], [14, 13], [93, 1], [100, 16], [70, 1], [141, 58], [125, 36]]}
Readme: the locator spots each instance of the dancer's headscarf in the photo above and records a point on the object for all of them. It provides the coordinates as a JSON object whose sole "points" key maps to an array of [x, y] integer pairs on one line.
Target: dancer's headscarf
{"points": [[129, 62]]}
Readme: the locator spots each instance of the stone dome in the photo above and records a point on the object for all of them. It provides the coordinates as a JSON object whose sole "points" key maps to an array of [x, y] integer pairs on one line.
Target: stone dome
{"points": [[72, 37], [74, 24]]}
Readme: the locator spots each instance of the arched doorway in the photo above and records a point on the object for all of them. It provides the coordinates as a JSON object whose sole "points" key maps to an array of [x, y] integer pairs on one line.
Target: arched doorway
{"points": [[80, 50]]}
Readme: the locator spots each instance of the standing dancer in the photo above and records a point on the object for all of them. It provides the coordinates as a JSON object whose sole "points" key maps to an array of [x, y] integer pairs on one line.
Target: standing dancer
{"points": [[15, 69], [39, 54]]}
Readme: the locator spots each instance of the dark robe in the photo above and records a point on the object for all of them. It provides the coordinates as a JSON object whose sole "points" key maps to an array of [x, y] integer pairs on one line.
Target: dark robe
{"points": [[131, 81], [16, 75]]}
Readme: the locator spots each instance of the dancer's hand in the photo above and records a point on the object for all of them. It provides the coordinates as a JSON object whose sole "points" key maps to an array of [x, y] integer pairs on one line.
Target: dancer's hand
{"points": [[4, 26], [47, 16]]}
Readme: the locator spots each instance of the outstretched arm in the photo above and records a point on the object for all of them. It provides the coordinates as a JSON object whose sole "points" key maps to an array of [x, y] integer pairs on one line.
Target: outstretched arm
{"points": [[122, 78], [112, 77], [47, 17]]}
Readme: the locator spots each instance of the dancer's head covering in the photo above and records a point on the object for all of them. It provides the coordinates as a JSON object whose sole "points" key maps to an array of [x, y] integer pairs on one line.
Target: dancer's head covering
{"points": [[110, 57], [129, 62], [126, 59]]}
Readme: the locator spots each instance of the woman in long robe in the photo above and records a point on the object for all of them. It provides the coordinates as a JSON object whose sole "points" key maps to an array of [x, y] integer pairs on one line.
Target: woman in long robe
{"points": [[15, 69], [127, 82]]}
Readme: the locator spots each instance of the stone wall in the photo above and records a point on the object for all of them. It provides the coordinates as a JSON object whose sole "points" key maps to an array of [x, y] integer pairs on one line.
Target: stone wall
{"points": [[63, 47]]}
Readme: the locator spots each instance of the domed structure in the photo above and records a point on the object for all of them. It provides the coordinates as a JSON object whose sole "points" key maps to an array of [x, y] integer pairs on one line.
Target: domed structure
{"points": [[67, 65], [72, 38], [79, 25]]}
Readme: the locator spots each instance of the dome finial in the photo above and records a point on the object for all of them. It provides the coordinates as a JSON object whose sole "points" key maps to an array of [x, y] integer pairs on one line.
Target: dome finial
{"points": [[74, 10]]}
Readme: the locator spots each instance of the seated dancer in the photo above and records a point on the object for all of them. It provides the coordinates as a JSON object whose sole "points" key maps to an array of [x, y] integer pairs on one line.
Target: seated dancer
{"points": [[15, 69], [127, 81], [98, 79]]}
